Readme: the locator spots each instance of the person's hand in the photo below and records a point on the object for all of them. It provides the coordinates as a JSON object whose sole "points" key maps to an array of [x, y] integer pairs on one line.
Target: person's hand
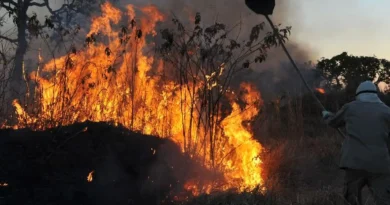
{"points": [[326, 114]]}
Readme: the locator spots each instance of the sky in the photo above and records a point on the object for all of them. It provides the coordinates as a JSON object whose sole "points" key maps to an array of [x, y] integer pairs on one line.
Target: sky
{"points": [[329, 27]]}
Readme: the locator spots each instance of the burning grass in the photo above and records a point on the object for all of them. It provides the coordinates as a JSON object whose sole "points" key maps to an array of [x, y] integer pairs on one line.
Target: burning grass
{"points": [[180, 93], [184, 96]]}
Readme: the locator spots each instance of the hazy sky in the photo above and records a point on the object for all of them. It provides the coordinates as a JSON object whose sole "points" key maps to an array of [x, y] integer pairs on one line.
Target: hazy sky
{"points": [[329, 27], [360, 27]]}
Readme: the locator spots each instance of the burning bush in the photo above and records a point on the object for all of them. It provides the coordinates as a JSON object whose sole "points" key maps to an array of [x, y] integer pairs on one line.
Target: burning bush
{"points": [[181, 92]]}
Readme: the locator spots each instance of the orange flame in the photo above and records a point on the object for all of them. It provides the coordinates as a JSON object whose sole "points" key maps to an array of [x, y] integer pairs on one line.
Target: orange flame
{"points": [[245, 161], [320, 90], [110, 81], [90, 176], [5, 184]]}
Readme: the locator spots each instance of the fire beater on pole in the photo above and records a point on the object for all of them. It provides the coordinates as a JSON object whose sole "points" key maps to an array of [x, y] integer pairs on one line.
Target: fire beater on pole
{"points": [[266, 8]]}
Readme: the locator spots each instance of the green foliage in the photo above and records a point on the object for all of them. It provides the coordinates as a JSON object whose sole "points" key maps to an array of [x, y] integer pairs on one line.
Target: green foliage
{"points": [[349, 70]]}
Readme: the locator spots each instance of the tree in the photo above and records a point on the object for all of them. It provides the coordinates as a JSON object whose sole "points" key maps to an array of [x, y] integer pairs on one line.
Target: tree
{"points": [[28, 25], [348, 71]]}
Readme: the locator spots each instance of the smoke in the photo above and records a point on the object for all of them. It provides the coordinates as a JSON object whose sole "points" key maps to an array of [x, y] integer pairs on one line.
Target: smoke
{"points": [[274, 77]]}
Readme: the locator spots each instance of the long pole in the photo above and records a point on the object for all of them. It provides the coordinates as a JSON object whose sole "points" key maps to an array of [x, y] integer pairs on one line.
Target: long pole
{"points": [[297, 69]]}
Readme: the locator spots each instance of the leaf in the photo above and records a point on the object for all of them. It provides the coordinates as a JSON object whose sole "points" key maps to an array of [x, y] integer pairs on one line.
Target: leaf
{"points": [[197, 18], [261, 58], [74, 50], [214, 29], [233, 45], [69, 63], [139, 33], [254, 35], [49, 23], [246, 64], [66, 32], [124, 30], [168, 37], [133, 23], [110, 69], [107, 51]]}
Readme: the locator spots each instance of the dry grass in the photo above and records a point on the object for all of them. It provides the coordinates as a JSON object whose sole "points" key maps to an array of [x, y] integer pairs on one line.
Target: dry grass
{"points": [[320, 197], [301, 158], [301, 153]]}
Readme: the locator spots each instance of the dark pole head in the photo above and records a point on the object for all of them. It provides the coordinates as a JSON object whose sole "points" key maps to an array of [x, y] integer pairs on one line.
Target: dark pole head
{"points": [[264, 7]]}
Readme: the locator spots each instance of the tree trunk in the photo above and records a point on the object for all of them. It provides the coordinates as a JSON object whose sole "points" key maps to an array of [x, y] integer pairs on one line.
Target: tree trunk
{"points": [[17, 74]]}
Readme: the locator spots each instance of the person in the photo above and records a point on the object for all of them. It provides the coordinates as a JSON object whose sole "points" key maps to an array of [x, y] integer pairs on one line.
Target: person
{"points": [[365, 154]]}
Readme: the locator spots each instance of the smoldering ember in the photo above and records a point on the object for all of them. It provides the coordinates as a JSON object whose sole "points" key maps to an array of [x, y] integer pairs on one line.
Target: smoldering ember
{"points": [[128, 103]]}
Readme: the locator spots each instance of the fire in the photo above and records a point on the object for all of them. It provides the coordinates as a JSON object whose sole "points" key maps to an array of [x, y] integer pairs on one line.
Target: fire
{"points": [[245, 160], [112, 80], [5, 184], [90, 176], [320, 90]]}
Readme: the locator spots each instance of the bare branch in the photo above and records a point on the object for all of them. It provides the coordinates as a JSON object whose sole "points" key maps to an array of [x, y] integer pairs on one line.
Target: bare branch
{"points": [[8, 8], [37, 4], [54, 12], [9, 2], [8, 39], [5, 62]]}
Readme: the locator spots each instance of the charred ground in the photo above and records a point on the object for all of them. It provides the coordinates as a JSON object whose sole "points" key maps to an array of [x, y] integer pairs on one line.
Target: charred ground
{"points": [[51, 167]]}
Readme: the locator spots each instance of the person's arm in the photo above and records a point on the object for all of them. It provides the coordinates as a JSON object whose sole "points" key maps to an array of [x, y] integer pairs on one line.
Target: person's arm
{"points": [[336, 120]]}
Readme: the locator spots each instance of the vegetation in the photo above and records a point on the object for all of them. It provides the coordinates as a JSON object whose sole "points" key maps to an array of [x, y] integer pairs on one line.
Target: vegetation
{"points": [[345, 71], [211, 57], [301, 153], [28, 26]]}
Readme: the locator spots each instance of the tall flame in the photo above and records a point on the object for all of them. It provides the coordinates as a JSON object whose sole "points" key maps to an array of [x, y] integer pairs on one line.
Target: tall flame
{"points": [[111, 80], [246, 161]]}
